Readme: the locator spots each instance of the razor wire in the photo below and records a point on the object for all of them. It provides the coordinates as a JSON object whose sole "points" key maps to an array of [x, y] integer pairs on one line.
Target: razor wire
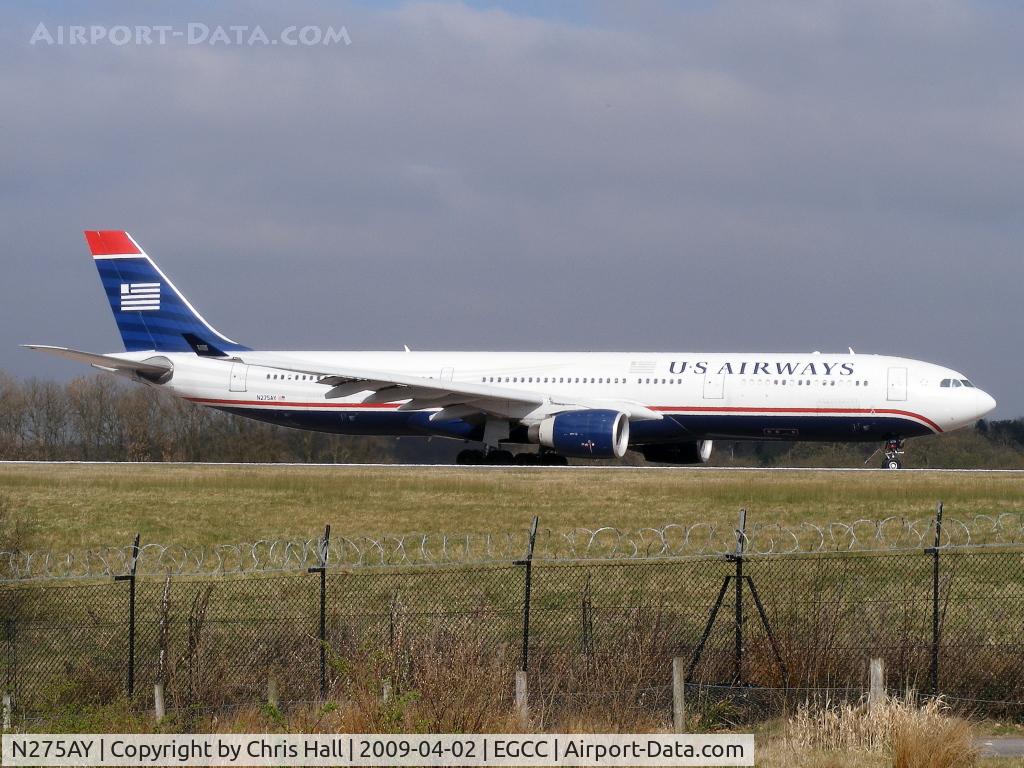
{"points": [[673, 540]]}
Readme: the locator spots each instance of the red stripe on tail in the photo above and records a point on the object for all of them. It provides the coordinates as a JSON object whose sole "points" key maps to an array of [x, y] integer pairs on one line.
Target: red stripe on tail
{"points": [[110, 242]]}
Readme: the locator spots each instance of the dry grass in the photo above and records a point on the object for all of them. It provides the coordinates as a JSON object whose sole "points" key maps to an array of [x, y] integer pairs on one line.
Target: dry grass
{"points": [[74, 506], [896, 733], [459, 695]]}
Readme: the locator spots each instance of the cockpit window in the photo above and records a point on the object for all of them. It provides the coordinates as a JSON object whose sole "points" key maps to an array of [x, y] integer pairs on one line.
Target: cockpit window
{"points": [[956, 383], [966, 383], [945, 382]]}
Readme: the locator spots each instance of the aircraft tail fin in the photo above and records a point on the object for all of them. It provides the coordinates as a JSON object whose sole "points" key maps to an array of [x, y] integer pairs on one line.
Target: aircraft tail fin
{"points": [[150, 312]]}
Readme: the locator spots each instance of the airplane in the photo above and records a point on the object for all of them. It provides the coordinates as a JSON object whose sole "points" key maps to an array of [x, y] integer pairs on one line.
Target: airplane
{"points": [[670, 407]]}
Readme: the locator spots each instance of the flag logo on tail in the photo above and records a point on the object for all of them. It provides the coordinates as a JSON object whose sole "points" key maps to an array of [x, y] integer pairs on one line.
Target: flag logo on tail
{"points": [[140, 297]]}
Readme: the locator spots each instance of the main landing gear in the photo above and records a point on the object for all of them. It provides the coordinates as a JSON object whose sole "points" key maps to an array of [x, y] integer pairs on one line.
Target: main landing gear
{"points": [[893, 450], [499, 457]]}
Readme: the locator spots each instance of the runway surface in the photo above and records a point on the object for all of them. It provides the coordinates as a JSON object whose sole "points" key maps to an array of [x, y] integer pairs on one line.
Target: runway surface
{"points": [[1000, 746], [507, 467]]}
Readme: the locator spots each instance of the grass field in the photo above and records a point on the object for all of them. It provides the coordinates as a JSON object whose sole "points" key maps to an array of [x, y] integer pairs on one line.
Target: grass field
{"points": [[73, 506]]}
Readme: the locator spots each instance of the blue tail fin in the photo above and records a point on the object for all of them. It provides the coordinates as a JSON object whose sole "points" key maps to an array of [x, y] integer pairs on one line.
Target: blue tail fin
{"points": [[149, 310]]}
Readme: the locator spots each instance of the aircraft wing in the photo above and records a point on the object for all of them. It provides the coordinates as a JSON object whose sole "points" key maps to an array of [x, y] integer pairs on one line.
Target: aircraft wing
{"points": [[456, 399], [106, 362]]}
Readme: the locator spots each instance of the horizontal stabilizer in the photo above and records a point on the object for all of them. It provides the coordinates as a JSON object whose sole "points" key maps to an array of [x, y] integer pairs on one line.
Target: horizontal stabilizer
{"points": [[151, 367]]}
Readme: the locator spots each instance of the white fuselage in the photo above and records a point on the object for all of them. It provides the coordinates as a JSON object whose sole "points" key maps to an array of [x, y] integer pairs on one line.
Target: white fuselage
{"points": [[733, 395]]}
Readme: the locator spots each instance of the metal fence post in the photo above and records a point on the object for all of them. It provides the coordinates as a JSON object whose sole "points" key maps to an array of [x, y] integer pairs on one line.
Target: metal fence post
{"points": [[741, 543], [11, 679], [321, 569], [935, 601], [528, 563], [588, 620], [130, 578]]}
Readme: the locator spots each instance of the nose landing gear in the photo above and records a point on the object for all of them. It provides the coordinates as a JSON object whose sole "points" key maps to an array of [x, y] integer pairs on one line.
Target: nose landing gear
{"points": [[893, 450]]}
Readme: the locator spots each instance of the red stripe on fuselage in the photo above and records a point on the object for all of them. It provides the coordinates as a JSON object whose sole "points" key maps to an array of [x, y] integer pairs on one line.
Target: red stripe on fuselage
{"points": [[736, 409], [287, 403], [662, 408]]}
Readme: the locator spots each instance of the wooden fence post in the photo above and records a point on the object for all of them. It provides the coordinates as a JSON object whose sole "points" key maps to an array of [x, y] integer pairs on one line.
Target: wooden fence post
{"points": [[522, 700], [876, 693], [679, 694], [7, 711], [159, 708], [272, 698]]}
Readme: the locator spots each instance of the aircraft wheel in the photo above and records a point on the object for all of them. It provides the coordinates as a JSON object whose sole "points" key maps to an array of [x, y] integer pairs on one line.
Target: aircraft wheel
{"points": [[554, 460], [470, 457], [527, 459], [500, 458], [892, 464]]}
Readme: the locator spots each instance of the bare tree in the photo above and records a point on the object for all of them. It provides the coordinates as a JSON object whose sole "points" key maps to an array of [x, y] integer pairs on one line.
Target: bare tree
{"points": [[12, 417], [47, 420]]}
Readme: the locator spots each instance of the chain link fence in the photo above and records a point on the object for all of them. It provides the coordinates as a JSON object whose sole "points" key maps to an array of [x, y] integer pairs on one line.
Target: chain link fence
{"points": [[764, 629]]}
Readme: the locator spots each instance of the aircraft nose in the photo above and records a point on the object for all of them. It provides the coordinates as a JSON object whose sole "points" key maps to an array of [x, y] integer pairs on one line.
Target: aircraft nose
{"points": [[985, 402]]}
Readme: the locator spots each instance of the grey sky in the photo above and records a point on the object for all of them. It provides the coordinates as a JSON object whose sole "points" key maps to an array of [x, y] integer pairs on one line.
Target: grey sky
{"points": [[719, 176]]}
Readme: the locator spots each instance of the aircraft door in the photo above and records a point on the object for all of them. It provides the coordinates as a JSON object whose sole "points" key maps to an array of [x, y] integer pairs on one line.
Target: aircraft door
{"points": [[714, 386], [447, 374], [239, 374], [897, 385]]}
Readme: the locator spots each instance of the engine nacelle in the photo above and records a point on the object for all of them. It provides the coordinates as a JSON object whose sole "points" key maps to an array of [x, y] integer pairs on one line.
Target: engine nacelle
{"points": [[696, 452], [592, 434]]}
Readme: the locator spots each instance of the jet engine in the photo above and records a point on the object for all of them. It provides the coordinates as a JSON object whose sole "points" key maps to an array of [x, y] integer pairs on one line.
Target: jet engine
{"points": [[696, 452], [591, 434]]}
